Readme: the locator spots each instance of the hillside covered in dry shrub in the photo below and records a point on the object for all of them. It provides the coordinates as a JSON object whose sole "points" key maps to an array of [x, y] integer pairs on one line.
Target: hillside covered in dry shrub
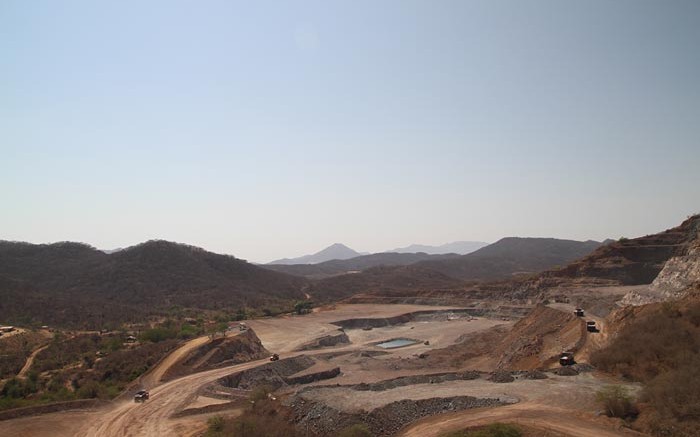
{"points": [[659, 345], [75, 285]]}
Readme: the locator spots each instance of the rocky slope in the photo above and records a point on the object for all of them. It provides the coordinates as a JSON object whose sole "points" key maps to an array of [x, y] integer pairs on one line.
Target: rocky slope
{"points": [[220, 352], [679, 276], [631, 261]]}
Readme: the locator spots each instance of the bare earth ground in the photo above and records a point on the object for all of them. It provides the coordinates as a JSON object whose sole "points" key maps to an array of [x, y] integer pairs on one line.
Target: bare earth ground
{"points": [[563, 404]]}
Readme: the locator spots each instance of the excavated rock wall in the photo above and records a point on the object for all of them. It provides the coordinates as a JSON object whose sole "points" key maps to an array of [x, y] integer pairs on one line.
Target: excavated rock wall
{"points": [[679, 275]]}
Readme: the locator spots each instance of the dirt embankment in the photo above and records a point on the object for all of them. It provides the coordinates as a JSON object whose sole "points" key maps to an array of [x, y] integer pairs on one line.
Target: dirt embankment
{"points": [[403, 381], [278, 374], [220, 352], [81, 404], [537, 340], [534, 342], [326, 341]]}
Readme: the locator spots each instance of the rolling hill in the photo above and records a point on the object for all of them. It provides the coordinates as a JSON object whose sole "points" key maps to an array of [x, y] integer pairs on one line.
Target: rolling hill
{"points": [[75, 284], [512, 255]]}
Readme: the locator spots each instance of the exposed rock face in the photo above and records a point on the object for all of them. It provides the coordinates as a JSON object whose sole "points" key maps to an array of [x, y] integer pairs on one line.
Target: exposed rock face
{"points": [[679, 275]]}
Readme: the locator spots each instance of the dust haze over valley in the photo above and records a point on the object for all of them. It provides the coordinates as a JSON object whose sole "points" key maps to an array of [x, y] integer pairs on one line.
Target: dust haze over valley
{"points": [[393, 218]]}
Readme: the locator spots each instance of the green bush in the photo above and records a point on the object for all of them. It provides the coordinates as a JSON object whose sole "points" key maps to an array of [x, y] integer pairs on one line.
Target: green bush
{"points": [[215, 424], [156, 335], [357, 430], [303, 306], [617, 401], [493, 430]]}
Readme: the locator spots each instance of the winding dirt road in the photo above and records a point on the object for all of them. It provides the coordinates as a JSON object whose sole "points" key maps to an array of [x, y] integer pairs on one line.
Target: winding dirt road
{"points": [[152, 418], [30, 360], [152, 378]]}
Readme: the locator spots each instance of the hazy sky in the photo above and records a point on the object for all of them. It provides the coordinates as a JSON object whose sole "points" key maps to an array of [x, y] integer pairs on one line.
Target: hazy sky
{"points": [[274, 129]]}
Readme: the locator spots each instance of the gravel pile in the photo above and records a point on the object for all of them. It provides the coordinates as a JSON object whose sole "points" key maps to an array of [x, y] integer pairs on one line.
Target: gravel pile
{"points": [[402, 381], [319, 419], [501, 377], [566, 371], [535, 374], [583, 367]]}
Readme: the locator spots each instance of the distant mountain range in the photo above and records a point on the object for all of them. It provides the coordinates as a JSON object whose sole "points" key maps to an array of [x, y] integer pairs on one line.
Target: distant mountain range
{"points": [[334, 251], [338, 267], [458, 247], [340, 251], [501, 260]]}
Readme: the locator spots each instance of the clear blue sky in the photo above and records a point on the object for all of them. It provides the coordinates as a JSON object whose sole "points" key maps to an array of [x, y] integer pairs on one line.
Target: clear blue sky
{"points": [[271, 129]]}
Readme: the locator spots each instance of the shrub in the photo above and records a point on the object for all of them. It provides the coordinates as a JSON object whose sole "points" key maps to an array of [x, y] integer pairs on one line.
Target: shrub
{"points": [[303, 307], [357, 430], [616, 401], [493, 430], [156, 335], [661, 349], [215, 424]]}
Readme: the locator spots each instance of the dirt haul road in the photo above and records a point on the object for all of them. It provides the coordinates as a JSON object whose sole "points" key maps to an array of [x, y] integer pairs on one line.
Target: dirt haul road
{"points": [[151, 379], [30, 360], [153, 418], [544, 417]]}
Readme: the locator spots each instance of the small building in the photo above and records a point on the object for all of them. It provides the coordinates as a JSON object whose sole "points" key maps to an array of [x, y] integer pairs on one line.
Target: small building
{"points": [[579, 312], [7, 328], [131, 339]]}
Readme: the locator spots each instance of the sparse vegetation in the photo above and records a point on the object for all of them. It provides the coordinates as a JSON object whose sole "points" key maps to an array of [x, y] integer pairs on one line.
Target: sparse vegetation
{"points": [[15, 350], [83, 367]]}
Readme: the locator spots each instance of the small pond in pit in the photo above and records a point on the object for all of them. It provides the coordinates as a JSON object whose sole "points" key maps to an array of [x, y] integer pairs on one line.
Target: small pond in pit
{"points": [[397, 342]]}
